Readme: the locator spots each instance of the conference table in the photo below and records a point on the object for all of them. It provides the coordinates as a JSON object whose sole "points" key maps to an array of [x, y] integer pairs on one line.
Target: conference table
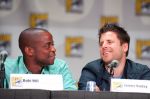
{"points": [[46, 94]]}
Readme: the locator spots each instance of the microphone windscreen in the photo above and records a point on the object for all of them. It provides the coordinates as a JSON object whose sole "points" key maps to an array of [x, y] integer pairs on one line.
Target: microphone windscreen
{"points": [[3, 52], [3, 55], [114, 64]]}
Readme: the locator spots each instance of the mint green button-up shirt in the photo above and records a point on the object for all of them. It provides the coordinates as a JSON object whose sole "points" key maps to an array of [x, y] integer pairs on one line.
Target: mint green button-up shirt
{"points": [[17, 66]]}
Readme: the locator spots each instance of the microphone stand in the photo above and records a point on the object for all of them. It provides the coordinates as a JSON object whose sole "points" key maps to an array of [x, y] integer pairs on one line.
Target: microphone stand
{"points": [[2, 75], [3, 55], [112, 65], [111, 72]]}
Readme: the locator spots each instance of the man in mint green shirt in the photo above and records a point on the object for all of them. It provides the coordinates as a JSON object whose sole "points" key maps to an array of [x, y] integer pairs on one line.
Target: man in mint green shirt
{"points": [[37, 47]]}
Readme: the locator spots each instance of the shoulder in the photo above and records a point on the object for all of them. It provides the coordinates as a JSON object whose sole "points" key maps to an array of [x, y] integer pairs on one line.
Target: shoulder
{"points": [[136, 66], [95, 65], [12, 64], [59, 63], [137, 70], [9, 62]]}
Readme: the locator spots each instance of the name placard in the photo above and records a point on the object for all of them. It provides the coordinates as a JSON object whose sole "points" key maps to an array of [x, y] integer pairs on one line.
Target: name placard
{"points": [[36, 81], [130, 85]]}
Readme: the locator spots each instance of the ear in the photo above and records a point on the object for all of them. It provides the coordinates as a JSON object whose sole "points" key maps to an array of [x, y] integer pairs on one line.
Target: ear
{"points": [[29, 51], [125, 47]]}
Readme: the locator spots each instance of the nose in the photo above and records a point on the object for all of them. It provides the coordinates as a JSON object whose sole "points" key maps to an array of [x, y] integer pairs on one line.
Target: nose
{"points": [[53, 49], [104, 44]]}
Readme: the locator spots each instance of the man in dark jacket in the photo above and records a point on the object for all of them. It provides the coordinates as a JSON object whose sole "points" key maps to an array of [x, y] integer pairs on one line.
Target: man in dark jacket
{"points": [[114, 45]]}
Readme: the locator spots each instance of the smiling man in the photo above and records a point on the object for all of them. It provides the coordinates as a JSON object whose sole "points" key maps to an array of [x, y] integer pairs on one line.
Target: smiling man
{"points": [[113, 45], [37, 47]]}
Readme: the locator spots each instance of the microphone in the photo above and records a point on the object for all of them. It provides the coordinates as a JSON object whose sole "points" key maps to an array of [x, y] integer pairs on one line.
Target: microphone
{"points": [[113, 64], [3, 56]]}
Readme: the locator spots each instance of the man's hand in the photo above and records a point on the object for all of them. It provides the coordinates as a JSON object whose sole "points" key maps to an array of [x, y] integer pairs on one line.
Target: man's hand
{"points": [[97, 89]]}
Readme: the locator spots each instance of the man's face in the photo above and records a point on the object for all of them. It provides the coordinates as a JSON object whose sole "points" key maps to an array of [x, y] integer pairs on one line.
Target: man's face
{"points": [[44, 50], [111, 48]]}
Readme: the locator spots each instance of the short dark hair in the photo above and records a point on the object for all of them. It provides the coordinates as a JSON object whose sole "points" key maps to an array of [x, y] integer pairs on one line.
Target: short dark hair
{"points": [[26, 35], [121, 33]]}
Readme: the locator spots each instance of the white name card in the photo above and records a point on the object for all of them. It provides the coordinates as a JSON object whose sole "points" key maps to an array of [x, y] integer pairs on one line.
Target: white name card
{"points": [[36, 81], [130, 85]]}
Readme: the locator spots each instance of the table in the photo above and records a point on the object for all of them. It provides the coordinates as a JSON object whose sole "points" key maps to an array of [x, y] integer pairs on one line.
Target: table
{"points": [[45, 94], [97, 95], [24, 94]]}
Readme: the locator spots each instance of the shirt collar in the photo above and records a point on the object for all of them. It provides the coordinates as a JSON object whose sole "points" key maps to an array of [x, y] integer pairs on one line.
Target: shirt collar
{"points": [[23, 69]]}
